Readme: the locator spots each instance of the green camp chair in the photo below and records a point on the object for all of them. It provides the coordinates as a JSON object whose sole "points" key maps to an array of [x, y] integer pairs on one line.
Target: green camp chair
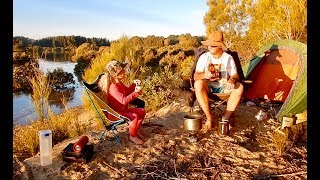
{"points": [[92, 90]]}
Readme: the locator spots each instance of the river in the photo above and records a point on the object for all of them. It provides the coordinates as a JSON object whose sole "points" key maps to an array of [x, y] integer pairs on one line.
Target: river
{"points": [[23, 108]]}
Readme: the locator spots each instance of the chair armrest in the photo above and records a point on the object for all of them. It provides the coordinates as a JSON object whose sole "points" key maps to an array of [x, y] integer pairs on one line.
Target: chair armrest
{"points": [[187, 82], [247, 81], [185, 77], [125, 119]]}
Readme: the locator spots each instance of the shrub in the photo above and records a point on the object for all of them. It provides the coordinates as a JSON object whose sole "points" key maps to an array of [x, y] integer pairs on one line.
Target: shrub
{"points": [[277, 140], [59, 79], [63, 126], [81, 65]]}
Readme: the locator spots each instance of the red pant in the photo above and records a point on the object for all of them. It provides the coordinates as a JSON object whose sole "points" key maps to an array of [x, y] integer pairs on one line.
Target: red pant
{"points": [[136, 115]]}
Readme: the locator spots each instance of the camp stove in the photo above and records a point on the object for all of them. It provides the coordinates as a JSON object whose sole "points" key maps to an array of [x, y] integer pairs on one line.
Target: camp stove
{"points": [[193, 137]]}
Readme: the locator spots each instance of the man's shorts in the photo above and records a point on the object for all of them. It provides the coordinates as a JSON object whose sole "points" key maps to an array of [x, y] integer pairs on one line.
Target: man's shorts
{"points": [[214, 89]]}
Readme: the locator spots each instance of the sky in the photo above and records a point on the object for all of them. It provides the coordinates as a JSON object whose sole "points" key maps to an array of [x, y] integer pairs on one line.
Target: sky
{"points": [[109, 19]]}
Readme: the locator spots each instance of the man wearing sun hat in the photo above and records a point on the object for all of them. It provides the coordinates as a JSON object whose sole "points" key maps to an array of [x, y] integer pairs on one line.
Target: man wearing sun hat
{"points": [[207, 81]]}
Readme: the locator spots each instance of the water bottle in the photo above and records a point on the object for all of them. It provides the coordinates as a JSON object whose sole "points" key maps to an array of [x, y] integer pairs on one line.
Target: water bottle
{"points": [[45, 140], [212, 69], [224, 75], [218, 70], [223, 126]]}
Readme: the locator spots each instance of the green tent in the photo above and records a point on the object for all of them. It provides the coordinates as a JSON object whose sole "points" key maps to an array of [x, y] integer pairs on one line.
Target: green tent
{"points": [[279, 72]]}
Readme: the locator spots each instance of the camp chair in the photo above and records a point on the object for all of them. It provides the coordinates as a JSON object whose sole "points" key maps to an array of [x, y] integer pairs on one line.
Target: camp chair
{"points": [[93, 90], [215, 99]]}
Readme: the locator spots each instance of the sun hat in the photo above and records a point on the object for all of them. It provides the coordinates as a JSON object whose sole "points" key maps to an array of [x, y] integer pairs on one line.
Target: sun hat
{"points": [[215, 39], [114, 67]]}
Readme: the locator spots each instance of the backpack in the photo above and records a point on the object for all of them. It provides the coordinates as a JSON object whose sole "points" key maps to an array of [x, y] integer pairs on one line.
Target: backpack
{"points": [[197, 53]]}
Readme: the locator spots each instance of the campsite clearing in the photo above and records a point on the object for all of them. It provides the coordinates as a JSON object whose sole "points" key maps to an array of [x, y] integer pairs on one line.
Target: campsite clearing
{"points": [[167, 152]]}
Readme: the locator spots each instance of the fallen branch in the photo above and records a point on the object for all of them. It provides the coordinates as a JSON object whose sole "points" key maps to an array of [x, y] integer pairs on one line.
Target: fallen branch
{"points": [[113, 168], [175, 168], [287, 174], [151, 124], [196, 168], [149, 173], [144, 166], [217, 173]]}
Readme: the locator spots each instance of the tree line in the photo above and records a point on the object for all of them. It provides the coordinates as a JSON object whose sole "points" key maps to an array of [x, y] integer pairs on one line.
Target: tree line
{"points": [[247, 26], [21, 42]]}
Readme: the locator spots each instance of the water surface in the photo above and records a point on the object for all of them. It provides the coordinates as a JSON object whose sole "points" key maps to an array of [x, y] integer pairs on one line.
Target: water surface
{"points": [[23, 108]]}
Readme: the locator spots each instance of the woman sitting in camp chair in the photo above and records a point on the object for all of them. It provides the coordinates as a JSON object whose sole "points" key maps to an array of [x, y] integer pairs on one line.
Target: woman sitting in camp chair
{"points": [[119, 96]]}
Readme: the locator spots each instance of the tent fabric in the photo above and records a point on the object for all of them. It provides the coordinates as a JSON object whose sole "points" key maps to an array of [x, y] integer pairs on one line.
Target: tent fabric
{"points": [[279, 72]]}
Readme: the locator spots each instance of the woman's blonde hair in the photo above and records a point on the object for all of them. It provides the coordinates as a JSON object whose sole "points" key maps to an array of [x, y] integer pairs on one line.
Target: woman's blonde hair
{"points": [[112, 69], [104, 82]]}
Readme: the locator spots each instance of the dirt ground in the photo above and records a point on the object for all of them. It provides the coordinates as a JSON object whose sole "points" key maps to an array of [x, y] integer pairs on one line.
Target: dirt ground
{"points": [[247, 153]]}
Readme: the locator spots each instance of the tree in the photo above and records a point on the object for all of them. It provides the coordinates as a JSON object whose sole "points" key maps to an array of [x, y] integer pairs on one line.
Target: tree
{"points": [[18, 45], [281, 19], [120, 49], [186, 40], [154, 41], [171, 40], [86, 50], [249, 24], [229, 16]]}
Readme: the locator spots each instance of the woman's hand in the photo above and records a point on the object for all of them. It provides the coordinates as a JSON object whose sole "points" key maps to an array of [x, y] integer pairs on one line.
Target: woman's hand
{"points": [[138, 89]]}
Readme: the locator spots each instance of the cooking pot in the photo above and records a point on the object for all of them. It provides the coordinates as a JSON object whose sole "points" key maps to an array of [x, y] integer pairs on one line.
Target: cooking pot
{"points": [[193, 122]]}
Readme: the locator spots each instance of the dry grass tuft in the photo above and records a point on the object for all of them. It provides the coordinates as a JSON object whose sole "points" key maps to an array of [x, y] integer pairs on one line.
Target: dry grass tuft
{"points": [[278, 141], [63, 126], [40, 92]]}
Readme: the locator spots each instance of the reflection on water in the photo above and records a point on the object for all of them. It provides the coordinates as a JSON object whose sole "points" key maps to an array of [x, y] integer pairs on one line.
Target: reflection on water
{"points": [[56, 97], [57, 55], [23, 108]]}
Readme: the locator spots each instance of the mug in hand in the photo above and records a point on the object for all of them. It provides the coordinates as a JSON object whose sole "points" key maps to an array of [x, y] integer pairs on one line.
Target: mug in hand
{"points": [[138, 88], [137, 82]]}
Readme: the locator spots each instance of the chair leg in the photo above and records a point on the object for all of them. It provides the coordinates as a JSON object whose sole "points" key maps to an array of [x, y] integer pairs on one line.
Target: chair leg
{"points": [[232, 120], [217, 106], [113, 128], [116, 136], [102, 134], [217, 113]]}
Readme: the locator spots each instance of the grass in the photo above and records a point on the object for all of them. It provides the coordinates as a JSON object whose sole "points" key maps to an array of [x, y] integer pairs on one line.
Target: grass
{"points": [[158, 84], [41, 90], [63, 126], [278, 141]]}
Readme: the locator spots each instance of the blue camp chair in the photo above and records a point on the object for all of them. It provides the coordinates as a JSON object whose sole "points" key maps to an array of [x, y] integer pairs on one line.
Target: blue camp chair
{"points": [[93, 90]]}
